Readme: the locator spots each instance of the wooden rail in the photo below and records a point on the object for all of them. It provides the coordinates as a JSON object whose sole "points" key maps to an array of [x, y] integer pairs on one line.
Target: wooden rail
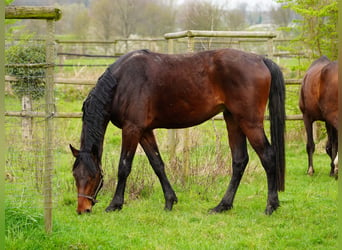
{"points": [[28, 12], [77, 81], [230, 34], [92, 82]]}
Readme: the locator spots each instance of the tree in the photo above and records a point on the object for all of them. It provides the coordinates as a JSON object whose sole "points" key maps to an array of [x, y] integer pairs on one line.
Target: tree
{"points": [[103, 18], [235, 19], [30, 80], [75, 20], [122, 18], [116, 18], [317, 27], [158, 18], [201, 15], [282, 16]]}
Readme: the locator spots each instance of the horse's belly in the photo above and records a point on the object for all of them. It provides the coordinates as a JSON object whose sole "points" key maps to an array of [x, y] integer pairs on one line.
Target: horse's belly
{"points": [[183, 118]]}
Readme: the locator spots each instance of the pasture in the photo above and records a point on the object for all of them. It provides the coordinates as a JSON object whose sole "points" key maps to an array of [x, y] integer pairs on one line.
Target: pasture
{"points": [[307, 218]]}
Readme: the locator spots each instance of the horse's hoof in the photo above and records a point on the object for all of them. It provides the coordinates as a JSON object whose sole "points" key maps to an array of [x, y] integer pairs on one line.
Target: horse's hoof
{"points": [[220, 208], [270, 209], [111, 208], [169, 204], [310, 171]]}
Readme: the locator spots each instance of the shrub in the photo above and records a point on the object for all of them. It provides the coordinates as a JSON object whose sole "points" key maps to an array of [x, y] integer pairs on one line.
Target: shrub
{"points": [[31, 80]]}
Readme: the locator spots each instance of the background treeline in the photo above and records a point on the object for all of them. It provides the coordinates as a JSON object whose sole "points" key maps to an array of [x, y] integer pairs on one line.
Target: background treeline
{"points": [[107, 19], [310, 24]]}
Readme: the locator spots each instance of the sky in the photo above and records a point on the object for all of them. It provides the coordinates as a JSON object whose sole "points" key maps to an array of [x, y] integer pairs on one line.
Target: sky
{"points": [[262, 4], [251, 4]]}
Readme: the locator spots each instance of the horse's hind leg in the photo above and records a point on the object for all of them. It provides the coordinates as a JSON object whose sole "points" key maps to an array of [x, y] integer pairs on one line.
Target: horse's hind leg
{"points": [[310, 145], [331, 147], [258, 140], [238, 146], [130, 139], [148, 142]]}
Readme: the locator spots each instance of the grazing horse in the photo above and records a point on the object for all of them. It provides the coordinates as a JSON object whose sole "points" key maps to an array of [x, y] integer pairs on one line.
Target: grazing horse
{"points": [[143, 91], [319, 101]]}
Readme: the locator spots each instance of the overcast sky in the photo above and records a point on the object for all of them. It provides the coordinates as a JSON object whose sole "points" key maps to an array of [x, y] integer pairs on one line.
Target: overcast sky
{"points": [[251, 4], [262, 4]]}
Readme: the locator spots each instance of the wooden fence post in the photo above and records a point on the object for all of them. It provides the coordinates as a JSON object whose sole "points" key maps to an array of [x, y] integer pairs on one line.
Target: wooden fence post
{"points": [[51, 15], [49, 125]]}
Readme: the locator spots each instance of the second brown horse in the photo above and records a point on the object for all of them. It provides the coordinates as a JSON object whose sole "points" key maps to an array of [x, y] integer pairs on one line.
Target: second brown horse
{"points": [[319, 102]]}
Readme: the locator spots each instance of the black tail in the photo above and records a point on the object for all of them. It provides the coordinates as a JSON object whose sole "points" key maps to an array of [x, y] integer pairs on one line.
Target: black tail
{"points": [[276, 106]]}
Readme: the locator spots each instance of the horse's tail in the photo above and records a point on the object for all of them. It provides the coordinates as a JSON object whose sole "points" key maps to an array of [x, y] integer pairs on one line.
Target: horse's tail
{"points": [[276, 106]]}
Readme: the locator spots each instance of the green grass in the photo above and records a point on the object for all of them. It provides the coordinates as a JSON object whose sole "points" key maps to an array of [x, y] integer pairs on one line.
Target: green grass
{"points": [[307, 218]]}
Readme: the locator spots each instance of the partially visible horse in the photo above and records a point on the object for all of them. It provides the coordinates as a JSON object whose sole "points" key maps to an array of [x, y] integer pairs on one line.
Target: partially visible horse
{"points": [[319, 101], [143, 90]]}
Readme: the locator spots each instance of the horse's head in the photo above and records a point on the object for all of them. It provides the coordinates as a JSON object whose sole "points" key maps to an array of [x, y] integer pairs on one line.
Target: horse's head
{"points": [[88, 176]]}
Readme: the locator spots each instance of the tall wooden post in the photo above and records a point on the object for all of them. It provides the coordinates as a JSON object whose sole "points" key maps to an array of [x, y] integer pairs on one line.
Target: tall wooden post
{"points": [[49, 127], [51, 15]]}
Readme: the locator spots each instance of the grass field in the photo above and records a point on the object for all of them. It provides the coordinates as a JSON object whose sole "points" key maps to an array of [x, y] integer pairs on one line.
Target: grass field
{"points": [[307, 218]]}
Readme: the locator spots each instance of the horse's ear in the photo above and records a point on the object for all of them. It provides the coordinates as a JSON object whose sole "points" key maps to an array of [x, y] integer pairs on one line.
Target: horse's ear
{"points": [[74, 151]]}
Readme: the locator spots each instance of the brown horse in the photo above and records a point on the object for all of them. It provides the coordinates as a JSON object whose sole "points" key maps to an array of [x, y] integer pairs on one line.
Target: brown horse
{"points": [[143, 90], [319, 101]]}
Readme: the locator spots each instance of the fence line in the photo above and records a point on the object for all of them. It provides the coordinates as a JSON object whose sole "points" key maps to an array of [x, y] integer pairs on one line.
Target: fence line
{"points": [[92, 82]]}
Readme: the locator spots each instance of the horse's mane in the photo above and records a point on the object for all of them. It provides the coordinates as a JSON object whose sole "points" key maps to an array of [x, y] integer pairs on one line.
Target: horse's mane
{"points": [[95, 111]]}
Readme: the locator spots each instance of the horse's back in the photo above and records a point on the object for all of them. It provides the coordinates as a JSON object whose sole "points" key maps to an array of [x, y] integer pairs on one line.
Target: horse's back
{"points": [[182, 90]]}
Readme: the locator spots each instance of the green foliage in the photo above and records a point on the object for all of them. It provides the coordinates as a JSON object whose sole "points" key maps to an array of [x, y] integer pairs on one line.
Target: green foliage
{"points": [[31, 80], [316, 29], [21, 219]]}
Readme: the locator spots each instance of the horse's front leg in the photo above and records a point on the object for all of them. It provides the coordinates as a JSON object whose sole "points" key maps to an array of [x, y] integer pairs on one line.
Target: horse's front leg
{"points": [[148, 142], [130, 139]]}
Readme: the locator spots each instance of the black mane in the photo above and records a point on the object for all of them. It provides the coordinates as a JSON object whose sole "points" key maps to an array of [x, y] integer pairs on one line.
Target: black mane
{"points": [[95, 115]]}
